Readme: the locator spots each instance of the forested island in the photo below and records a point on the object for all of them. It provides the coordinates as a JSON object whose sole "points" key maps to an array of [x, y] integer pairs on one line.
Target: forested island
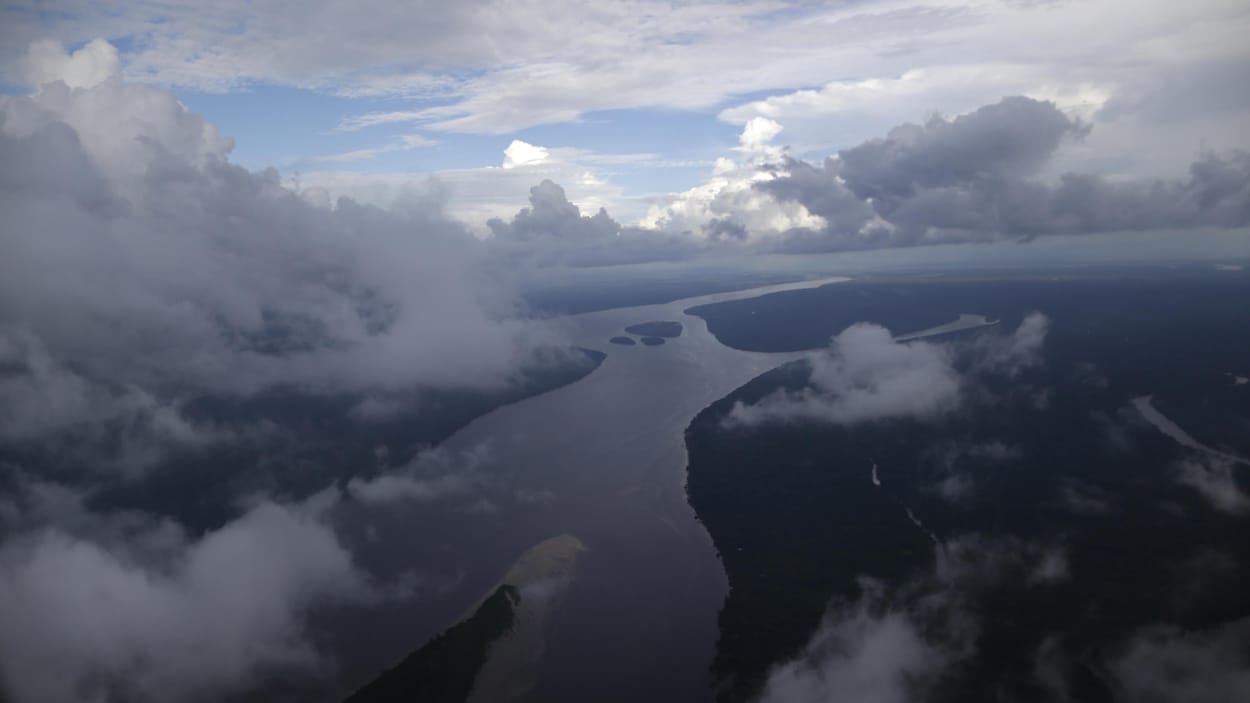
{"points": [[665, 328]]}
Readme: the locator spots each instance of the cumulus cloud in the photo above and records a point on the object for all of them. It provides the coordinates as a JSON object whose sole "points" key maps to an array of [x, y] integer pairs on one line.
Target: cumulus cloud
{"points": [[144, 273], [993, 143], [47, 61], [865, 376], [141, 268], [553, 231], [552, 216], [85, 620], [980, 176], [521, 153], [864, 652], [729, 207], [938, 181]]}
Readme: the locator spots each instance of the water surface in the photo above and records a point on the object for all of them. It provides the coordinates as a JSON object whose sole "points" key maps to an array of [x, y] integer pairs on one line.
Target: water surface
{"points": [[607, 453]]}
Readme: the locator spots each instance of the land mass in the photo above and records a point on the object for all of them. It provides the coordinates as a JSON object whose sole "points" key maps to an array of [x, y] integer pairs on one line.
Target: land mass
{"points": [[665, 328], [1053, 465], [443, 671]]}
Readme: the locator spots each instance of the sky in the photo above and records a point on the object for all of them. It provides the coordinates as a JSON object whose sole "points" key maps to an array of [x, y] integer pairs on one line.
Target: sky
{"points": [[348, 200], [630, 105]]}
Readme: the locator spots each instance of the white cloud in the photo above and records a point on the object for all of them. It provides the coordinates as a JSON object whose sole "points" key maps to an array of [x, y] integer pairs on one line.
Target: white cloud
{"points": [[728, 205], [758, 132], [220, 278], [521, 153], [1124, 78], [865, 376], [865, 653], [47, 61], [504, 66], [86, 622], [1213, 478]]}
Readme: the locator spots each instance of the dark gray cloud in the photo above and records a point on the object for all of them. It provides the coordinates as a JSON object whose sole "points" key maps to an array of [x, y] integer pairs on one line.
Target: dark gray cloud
{"points": [[846, 215], [143, 271], [1007, 140], [553, 231], [976, 178], [142, 268], [1165, 663], [551, 216]]}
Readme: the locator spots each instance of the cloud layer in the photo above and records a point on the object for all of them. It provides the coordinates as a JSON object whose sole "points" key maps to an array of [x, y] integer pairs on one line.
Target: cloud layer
{"points": [[142, 268]]}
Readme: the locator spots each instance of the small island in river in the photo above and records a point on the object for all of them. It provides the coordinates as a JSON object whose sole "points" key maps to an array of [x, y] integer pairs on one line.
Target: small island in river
{"points": [[667, 328], [653, 341], [623, 341]]}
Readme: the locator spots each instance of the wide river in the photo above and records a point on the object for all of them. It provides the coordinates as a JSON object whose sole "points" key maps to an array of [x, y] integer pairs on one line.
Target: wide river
{"points": [[606, 459]]}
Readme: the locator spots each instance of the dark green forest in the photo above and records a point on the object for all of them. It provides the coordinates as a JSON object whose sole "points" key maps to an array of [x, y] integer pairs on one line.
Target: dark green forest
{"points": [[797, 520]]}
